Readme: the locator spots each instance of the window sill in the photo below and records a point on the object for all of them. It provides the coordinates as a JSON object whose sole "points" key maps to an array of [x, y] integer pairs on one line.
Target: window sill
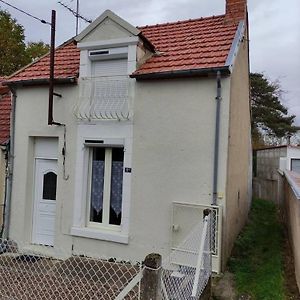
{"points": [[92, 233]]}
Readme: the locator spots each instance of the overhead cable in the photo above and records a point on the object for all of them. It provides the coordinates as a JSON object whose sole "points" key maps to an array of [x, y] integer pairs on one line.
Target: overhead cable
{"points": [[26, 13]]}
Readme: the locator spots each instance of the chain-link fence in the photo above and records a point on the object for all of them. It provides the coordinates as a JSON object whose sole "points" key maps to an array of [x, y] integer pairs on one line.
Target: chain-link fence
{"points": [[31, 274], [187, 270], [42, 272]]}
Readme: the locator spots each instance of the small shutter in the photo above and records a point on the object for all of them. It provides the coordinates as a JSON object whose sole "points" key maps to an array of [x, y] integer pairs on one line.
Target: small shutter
{"points": [[112, 67]]}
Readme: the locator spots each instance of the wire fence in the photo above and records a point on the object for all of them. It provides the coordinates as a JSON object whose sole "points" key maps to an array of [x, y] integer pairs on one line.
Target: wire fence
{"points": [[27, 274], [42, 272]]}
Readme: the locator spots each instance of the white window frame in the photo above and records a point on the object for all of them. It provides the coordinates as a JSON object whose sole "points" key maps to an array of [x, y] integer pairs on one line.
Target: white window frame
{"points": [[81, 226], [106, 190]]}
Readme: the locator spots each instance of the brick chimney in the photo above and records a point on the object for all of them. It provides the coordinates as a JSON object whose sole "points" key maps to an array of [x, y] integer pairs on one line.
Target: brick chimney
{"points": [[236, 10]]}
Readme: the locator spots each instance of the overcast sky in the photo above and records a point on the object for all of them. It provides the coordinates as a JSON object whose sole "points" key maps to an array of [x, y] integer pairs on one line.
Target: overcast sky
{"points": [[274, 29]]}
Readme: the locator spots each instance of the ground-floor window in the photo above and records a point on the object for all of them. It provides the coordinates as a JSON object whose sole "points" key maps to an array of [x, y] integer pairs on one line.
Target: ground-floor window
{"points": [[106, 185]]}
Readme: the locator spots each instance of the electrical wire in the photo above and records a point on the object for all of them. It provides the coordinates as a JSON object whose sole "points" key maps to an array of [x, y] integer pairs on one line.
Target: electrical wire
{"points": [[26, 13]]}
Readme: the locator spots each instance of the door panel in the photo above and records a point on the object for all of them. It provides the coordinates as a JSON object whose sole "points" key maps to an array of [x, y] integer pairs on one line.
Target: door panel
{"points": [[44, 202]]}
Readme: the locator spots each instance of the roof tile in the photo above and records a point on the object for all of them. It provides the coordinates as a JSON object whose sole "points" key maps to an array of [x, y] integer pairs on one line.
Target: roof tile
{"points": [[5, 107], [183, 45]]}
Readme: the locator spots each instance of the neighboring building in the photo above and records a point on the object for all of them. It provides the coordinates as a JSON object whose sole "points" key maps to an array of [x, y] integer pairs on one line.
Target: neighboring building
{"points": [[132, 160], [5, 106], [270, 163], [291, 212]]}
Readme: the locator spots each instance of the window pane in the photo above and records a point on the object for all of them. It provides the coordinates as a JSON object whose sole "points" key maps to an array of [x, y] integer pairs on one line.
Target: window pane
{"points": [[97, 184], [296, 165], [49, 186], [116, 186]]}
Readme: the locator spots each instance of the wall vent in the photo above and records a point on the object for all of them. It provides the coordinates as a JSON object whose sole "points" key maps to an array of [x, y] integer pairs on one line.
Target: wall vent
{"points": [[112, 53]]}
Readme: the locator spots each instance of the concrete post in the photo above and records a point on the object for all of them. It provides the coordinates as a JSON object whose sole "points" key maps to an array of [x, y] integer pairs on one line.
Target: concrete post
{"points": [[151, 279]]}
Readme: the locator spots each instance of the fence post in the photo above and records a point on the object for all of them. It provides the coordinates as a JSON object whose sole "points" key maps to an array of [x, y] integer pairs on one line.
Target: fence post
{"points": [[206, 294], [151, 279]]}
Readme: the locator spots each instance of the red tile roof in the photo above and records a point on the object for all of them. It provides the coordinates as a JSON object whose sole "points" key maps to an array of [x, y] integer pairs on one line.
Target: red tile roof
{"points": [[184, 45], [5, 106], [191, 44], [66, 65]]}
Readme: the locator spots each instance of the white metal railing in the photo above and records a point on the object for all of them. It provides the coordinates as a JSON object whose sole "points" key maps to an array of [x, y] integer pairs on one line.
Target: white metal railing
{"points": [[187, 270], [104, 98], [186, 216]]}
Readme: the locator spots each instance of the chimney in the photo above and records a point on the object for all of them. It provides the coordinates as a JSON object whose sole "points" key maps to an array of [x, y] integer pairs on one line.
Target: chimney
{"points": [[236, 9]]}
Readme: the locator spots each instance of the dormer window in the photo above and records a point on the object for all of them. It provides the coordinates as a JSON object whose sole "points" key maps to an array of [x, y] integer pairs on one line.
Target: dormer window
{"points": [[104, 91]]}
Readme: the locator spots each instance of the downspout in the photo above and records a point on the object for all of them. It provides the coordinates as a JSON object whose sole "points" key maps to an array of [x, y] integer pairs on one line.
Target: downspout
{"points": [[6, 153], [217, 140], [10, 167]]}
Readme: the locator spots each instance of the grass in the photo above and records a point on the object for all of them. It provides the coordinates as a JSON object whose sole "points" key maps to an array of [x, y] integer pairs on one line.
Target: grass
{"points": [[257, 261]]}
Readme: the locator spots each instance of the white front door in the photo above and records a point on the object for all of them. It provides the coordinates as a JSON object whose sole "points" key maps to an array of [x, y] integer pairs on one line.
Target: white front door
{"points": [[45, 202]]}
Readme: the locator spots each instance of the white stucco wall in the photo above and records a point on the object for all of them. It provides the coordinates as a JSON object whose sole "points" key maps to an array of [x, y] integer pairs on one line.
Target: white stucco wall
{"points": [[172, 160], [292, 153]]}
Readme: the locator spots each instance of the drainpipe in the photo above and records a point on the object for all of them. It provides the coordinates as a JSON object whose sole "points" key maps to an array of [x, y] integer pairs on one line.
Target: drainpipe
{"points": [[10, 167], [217, 140]]}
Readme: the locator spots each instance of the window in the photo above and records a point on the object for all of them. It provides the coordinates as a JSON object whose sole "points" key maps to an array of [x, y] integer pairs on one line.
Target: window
{"points": [[49, 186], [295, 165], [106, 185]]}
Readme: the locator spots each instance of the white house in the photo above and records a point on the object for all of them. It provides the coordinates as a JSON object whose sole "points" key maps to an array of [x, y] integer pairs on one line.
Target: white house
{"points": [[151, 126]]}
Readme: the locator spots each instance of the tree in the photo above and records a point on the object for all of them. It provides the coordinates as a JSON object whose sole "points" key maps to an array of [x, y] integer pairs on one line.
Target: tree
{"points": [[271, 121], [12, 45], [35, 50], [14, 52]]}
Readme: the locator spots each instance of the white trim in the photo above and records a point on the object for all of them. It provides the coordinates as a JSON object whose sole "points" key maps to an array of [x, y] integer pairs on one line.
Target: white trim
{"points": [[107, 14], [112, 132], [293, 184], [112, 43], [92, 233], [239, 34], [46, 158], [130, 286]]}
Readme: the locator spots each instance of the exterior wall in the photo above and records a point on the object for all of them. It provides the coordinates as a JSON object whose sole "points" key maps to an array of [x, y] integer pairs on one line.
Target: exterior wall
{"points": [[2, 183], [238, 194], [292, 209], [173, 142], [266, 183], [108, 30], [173, 148], [292, 152], [31, 122], [268, 162]]}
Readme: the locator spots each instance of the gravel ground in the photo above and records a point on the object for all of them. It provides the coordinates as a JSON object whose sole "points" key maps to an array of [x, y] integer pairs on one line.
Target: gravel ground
{"points": [[35, 278]]}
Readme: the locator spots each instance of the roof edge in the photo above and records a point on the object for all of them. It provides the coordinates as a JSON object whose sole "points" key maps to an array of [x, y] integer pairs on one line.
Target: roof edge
{"points": [[37, 60], [238, 37], [107, 14], [182, 73], [40, 81]]}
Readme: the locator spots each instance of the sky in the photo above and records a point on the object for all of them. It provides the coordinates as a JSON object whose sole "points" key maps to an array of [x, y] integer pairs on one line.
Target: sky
{"points": [[274, 29]]}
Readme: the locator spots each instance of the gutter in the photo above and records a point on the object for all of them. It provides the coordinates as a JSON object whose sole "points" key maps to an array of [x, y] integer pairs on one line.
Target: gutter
{"points": [[10, 168], [225, 70], [42, 81], [217, 140]]}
